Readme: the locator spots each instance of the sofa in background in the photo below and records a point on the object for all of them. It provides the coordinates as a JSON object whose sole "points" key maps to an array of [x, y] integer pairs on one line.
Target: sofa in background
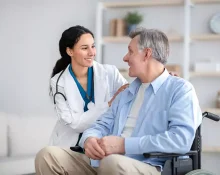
{"points": [[21, 137]]}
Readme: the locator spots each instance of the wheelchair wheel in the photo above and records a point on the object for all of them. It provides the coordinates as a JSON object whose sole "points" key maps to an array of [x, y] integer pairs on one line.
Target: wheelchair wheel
{"points": [[200, 172]]}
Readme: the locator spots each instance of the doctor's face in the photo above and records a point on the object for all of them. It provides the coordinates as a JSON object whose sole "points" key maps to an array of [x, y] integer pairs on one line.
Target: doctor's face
{"points": [[84, 51], [134, 58]]}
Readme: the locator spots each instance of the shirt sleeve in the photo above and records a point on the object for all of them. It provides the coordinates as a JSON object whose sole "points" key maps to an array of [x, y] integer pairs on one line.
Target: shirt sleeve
{"points": [[184, 117], [104, 125]]}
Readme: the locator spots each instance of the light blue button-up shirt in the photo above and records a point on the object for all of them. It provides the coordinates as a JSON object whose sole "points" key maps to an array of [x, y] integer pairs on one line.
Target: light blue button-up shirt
{"points": [[167, 120]]}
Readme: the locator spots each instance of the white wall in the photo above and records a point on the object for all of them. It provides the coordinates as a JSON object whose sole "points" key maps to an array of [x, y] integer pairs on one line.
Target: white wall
{"points": [[29, 34]]}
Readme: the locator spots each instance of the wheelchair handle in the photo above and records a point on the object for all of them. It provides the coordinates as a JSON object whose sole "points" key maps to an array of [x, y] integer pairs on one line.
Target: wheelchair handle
{"points": [[211, 116]]}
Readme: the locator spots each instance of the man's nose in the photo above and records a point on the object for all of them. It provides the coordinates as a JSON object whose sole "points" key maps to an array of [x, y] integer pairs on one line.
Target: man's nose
{"points": [[125, 59]]}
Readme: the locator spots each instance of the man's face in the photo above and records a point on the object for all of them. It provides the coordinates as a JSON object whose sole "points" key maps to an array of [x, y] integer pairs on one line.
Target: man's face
{"points": [[134, 58]]}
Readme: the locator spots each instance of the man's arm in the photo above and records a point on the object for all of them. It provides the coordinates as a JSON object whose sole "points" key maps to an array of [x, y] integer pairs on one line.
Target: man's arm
{"points": [[103, 126], [184, 116]]}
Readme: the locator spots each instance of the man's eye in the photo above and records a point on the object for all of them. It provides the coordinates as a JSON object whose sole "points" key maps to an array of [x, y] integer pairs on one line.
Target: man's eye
{"points": [[84, 48], [93, 46]]}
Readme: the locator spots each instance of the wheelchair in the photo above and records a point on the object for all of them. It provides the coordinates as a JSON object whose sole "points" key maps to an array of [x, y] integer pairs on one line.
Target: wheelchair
{"points": [[177, 165], [191, 165]]}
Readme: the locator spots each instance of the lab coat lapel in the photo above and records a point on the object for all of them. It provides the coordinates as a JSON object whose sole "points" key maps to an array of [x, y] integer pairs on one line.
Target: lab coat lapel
{"points": [[100, 84], [73, 95]]}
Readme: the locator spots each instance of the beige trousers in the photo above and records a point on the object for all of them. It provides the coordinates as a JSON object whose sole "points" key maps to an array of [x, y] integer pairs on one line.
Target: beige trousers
{"points": [[58, 161]]}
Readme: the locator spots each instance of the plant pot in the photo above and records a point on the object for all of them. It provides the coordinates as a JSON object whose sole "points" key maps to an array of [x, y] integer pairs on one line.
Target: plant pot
{"points": [[131, 27]]}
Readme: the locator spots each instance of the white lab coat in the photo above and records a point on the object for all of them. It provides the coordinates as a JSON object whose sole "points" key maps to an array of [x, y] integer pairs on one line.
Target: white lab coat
{"points": [[72, 119]]}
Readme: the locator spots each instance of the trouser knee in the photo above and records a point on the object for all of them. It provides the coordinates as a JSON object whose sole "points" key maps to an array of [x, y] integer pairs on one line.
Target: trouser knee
{"points": [[43, 155], [110, 164]]}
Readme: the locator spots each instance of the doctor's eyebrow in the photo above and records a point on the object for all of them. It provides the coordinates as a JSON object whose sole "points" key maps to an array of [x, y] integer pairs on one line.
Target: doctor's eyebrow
{"points": [[85, 45]]}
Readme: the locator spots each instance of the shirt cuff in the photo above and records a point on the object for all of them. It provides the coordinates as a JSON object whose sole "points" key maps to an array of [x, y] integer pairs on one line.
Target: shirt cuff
{"points": [[132, 145]]}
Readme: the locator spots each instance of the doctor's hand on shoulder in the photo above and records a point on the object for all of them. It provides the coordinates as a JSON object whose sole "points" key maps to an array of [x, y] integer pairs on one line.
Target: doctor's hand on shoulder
{"points": [[122, 88]]}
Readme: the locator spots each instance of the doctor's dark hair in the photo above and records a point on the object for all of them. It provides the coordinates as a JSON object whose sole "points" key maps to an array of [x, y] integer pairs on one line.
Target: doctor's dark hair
{"points": [[68, 39]]}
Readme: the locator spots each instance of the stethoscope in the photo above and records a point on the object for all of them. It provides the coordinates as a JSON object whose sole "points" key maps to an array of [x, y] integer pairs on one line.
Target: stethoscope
{"points": [[58, 93]]}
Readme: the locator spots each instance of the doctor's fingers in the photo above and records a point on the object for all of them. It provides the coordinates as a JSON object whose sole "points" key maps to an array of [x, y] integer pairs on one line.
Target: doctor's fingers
{"points": [[122, 88]]}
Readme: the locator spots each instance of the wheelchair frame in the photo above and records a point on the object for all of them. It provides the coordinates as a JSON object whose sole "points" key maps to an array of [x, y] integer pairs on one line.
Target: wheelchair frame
{"points": [[181, 166]]}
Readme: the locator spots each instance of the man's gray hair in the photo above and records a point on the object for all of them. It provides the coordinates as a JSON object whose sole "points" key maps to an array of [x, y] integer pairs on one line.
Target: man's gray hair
{"points": [[154, 39]]}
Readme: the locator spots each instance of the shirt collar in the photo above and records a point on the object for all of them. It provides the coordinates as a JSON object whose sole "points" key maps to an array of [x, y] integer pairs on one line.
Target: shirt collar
{"points": [[134, 85], [156, 84]]}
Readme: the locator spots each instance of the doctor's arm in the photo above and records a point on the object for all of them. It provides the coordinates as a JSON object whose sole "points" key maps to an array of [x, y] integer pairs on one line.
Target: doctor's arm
{"points": [[79, 121], [184, 116]]}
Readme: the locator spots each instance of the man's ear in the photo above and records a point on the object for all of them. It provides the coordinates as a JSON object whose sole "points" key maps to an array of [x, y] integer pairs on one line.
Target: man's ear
{"points": [[147, 53], [69, 51]]}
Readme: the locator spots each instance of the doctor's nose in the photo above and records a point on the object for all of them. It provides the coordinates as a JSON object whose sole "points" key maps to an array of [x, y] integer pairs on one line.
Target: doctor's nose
{"points": [[91, 51]]}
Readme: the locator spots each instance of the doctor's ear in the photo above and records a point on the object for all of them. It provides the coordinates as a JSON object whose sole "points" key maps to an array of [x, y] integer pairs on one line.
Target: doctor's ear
{"points": [[69, 51]]}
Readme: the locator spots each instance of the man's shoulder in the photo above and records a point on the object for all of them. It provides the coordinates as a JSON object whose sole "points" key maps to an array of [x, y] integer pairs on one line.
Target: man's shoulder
{"points": [[178, 85], [178, 82]]}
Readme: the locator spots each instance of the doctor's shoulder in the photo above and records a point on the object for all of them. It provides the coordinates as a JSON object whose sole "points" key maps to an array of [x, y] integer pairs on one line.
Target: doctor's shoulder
{"points": [[57, 79], [110, 68], [113, 71]]}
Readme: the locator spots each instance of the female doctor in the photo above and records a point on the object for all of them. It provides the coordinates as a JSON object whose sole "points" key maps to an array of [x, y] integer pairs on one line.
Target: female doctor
{"points": [[82, 89]]}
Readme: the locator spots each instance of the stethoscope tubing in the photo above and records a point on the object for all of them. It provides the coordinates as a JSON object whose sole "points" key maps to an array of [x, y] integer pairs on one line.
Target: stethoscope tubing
{"points": [[58, 93]]}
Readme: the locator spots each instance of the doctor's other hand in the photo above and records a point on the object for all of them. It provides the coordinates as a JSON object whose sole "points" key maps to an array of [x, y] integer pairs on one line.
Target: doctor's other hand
{"points": [[122, 88], [112, 145], [92, 149]]}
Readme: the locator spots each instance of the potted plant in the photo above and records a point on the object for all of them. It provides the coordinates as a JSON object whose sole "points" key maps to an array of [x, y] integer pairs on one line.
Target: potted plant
{"points": [[133, 19]]}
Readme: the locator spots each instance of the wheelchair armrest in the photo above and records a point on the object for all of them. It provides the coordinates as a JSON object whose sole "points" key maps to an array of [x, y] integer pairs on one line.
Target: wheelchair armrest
{"points": [[211, 116], [161, 155], [77, 149]]}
